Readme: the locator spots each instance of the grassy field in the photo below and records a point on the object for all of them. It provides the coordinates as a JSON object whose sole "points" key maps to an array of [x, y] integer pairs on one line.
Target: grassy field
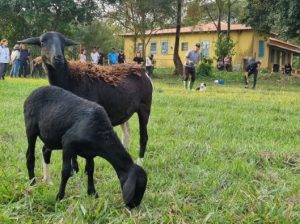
{"points": [[227, 155]]}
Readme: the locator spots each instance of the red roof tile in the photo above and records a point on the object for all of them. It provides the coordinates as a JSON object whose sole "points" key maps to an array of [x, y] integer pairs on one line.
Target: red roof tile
{"points": [[208, 27]]}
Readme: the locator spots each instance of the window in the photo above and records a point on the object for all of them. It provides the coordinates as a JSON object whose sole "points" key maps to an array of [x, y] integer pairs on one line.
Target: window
{"points": [[139, 47], [272, 55], [153, 48], [164, 47], [205, 48], [184, 46], [261, 48]]}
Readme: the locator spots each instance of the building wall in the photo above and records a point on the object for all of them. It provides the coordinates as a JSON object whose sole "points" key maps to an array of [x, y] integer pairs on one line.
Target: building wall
{"points": [[246, 48]]}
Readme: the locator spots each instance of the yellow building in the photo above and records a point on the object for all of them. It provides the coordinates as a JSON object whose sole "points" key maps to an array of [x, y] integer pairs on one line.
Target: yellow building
{"points": [[248, 45]]}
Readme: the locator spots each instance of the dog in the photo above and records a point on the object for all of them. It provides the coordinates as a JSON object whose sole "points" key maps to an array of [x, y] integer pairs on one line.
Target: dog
{"points": [[202, 87]]}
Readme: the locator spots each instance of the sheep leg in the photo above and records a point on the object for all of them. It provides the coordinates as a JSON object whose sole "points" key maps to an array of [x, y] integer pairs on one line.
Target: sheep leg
{"points": [[143, 115], [89, 168], [46, 164], [30, 157], [66, 172], [75, 166], [126, 134]]}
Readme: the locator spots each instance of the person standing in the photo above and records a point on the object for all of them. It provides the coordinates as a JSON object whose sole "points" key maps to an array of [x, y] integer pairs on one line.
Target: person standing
{"points": [[192, 59], [138, 58], [252, 68], [4, 57], [82, 55], [121, 57], [24, 60], [101, 57], [15, 61], [227, 63], [149, 64], [112, 57], [94, 56]]}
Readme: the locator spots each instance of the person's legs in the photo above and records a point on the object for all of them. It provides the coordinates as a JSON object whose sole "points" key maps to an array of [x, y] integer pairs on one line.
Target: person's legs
{"points": [[21, 68], [3, 68], [25, 70], [193, 77], [186, 77], [247, 74], [254, 78]]}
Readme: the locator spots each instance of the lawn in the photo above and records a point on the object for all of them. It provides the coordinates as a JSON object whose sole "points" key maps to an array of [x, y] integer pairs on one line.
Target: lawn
{"points": [[227, 155]]}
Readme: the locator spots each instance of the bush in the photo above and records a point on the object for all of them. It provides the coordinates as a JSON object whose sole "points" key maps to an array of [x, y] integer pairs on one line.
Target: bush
{"points": [[205, 68]]}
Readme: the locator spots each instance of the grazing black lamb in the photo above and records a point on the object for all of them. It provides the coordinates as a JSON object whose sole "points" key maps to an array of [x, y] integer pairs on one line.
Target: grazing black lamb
{"points": [[65, 121]]}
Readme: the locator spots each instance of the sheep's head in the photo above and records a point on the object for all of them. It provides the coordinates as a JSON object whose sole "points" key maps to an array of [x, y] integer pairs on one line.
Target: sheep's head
{"points": [[134, 186], [52, 47]]}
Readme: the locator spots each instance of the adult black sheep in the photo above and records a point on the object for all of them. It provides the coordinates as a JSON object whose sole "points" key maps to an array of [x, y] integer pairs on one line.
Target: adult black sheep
{"points": [[121, 101], [65, 121]]}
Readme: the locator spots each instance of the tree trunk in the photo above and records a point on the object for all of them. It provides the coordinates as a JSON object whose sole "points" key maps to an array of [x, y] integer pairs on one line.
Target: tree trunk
{"points": [[176, 59], [219, 6], [228, 19]]}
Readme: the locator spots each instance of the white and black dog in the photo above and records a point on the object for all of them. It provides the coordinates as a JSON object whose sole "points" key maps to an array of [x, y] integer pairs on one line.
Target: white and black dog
{"points": [[202, 87]]}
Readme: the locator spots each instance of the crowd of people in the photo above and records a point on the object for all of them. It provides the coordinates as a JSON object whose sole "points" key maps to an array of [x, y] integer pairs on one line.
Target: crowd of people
{"points": [[114, 57], [23, 66]]}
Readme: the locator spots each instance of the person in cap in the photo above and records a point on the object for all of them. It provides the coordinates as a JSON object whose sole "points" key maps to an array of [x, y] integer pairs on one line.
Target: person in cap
{"points": [[252, 68], [15, 61], [192, 58]]}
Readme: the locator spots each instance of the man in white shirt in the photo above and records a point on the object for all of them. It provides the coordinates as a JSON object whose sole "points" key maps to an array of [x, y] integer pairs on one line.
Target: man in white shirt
{"points": [[94, 56]]}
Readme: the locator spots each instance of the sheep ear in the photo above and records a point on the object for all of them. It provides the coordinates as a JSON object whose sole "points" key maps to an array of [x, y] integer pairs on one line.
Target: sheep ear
{"points": [[129, 188], [69, 42], [31, 40]]}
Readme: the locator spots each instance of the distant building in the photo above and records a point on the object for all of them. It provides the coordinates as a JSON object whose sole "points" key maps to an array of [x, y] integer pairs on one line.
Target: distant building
{"points": [[249, 45]]}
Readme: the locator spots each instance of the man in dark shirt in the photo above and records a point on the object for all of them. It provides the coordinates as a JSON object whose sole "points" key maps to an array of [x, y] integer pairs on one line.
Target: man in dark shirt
{"points": [[121, 57], [252, 68], [24, 61], [101, 57]]}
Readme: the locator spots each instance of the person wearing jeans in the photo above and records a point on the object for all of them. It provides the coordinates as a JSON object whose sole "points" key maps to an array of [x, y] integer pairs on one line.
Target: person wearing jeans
{"points": [[4, 58]]}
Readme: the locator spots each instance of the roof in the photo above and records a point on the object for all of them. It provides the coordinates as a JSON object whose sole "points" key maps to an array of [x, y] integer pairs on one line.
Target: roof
{"points": [[284, 45], [207, 27]]}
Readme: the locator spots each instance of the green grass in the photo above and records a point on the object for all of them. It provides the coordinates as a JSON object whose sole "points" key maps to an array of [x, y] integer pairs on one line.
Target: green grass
{"points": [[227, 155]]}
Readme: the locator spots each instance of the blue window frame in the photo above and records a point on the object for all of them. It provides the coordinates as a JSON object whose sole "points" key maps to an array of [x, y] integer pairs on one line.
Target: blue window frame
{"points": [[205, 48], [261, 48], [164, 47], [153, 48]]}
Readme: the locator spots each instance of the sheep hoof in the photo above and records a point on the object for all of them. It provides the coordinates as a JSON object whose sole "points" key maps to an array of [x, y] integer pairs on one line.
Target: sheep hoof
{"points": [[48, 181], [93, 193], [32, 181], [140, 161], [59, 196]]}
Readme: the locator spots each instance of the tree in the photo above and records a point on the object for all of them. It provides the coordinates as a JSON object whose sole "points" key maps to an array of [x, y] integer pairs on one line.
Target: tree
{"points": [[21, 19], [142, 18], [176, 59], [280, 16]]}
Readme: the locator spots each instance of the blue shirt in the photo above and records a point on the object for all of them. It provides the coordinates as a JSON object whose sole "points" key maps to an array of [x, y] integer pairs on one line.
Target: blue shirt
{"points": [[4, 54], [113, 58], [24, 54]]}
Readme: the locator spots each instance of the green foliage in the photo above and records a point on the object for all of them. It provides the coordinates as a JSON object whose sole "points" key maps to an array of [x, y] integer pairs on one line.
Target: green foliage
{"points": [[100, 34], [224, 46], [280, 16], [21, 19], [205, 68]]}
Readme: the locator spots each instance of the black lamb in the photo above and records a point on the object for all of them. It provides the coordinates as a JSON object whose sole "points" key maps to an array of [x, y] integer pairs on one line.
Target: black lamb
{"points": [[65, 121]]}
